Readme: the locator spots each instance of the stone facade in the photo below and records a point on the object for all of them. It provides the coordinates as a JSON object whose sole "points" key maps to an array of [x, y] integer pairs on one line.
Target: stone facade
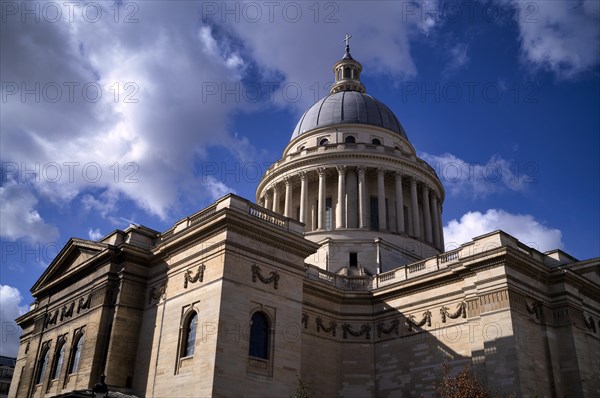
{"points": [[337, 276], [527, 321]]}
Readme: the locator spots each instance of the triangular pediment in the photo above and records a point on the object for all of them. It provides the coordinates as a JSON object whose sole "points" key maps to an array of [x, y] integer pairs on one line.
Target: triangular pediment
{"points": [[73, 257], [588, 269]]}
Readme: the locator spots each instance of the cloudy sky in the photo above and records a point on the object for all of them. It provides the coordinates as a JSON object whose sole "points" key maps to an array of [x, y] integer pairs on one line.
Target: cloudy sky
{"points": [[125, 111]]}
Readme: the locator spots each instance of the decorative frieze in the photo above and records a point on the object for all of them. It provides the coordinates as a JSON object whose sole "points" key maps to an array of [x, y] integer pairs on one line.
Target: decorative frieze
{"points": [[84, 303], [273, 276], [411, 321], [364, 329], [393, 328], [157, 294], [327, 329], [67, 310], [535, 308], [189, 277], [461, 310], [305, 320], [590, 324]]}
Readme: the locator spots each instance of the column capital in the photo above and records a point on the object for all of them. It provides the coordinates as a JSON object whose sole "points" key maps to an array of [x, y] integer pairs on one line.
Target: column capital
{"points": [[275, 187], [381, 170], [341, 169], [361, 169], [302, 174], [398, 174], [287, 180], [321, 171]]}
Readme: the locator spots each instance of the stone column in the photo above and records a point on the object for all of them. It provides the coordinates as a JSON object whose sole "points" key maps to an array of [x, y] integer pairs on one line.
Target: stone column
{"points": [[275, 199], [322, 187], [362, 198], [414, 203], [439, 211], [381, 198], [287, 211], [351, 199], [399, 204], [426, 213], [340, 213], [268, 204], [303, 193], [436, 220]]}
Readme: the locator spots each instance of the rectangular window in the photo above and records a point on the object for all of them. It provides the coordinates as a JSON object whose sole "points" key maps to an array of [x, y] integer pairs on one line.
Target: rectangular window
{"points": [[405, 220], [353, 260], [374, 213], [328, 214]]}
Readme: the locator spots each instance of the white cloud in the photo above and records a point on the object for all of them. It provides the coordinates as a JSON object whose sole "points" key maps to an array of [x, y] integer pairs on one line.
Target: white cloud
{"points": [[19, 217], [559, 36], [155, 118], [458, 57], [474, 179], [11, 307], [524, 227], [95, 234]]}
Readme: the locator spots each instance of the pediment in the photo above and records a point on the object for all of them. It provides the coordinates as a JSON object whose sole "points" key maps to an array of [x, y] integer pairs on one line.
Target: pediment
{"points": [[592, 275], [588, 269], [73, 257]]}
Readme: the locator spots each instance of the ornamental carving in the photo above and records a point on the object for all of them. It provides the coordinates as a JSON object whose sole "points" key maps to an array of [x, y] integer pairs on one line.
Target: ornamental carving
{"points": [[394, 326], [273, 276], [364, 329], [84, 303], [461, 310], [157, 294], [590, 324], [327, 329], [67, 312], [535, 308], [51, 319], [305, 320], [190, 278], [411, 321]]}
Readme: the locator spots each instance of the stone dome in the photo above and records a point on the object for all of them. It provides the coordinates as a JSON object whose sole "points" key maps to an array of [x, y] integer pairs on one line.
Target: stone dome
{"points": [[348, 107]]}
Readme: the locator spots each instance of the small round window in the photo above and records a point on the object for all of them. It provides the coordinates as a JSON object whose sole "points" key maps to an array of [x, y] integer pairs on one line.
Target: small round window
{"points": [[375, 141], [350, 140], [324, 141]]}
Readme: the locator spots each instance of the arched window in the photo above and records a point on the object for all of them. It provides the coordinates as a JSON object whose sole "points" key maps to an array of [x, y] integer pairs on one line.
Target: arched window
{"points": [[350, 140], [346, 73], [301, 148], [76, 354], [375, 141], [189, 336], [324, 141], [259, 336], [42, 365], [59, 357]]}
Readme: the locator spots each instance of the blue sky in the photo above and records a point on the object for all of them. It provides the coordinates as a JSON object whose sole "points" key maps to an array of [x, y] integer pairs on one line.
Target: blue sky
{"points": [[148, 112]]}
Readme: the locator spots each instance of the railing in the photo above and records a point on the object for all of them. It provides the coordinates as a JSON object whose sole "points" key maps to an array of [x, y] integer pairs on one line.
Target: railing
{"points": [[448, 256], [339, 281], [396, 275], [420, 266], [268, 216]]}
